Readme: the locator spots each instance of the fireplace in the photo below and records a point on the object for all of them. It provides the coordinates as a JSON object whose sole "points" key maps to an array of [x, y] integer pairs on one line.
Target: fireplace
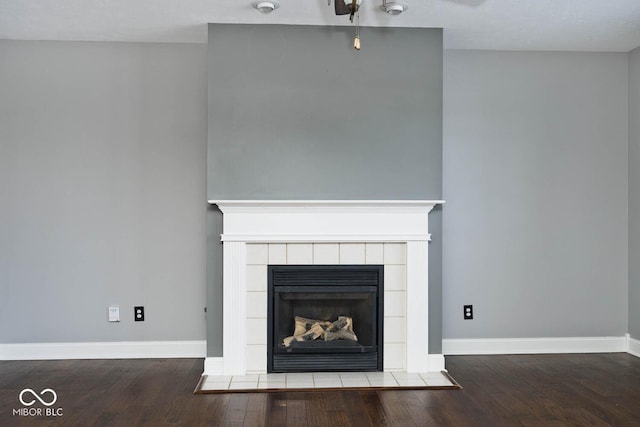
{"points": [[325, 318], [262, 233]]}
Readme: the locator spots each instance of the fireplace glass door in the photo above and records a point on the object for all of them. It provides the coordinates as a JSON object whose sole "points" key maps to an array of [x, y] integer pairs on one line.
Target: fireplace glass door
{"points": [[325, 318]]}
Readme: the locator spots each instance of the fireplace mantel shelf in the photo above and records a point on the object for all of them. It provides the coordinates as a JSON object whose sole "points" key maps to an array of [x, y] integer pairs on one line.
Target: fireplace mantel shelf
{"points": [[240, 206], [323, 238]]}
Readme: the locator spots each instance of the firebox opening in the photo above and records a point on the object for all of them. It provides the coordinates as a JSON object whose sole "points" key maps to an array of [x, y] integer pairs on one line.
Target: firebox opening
{"points": [[325, 318]]}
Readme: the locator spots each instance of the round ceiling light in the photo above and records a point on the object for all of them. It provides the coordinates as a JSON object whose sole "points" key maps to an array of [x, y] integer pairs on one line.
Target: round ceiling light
{"points": [[266, 6], [394, 7]]}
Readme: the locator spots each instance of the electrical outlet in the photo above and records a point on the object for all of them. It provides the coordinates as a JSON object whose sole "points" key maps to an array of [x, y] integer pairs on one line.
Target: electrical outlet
{"points": [[138, 313], [468, 312]]}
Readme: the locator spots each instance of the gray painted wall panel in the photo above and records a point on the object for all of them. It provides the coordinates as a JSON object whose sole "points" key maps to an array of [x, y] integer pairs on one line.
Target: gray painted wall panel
{"points": [[214, 282], [535, 178], [634, 193], [102, 177], [296, 113]]}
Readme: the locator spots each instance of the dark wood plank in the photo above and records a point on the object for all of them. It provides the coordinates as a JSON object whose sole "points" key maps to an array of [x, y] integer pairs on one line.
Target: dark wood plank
{"points": [[276, 414], [236, 409], [256, 407], [317, 410], [355, 409], [374, 408], [335, 408], [296, 409], [397, 414]]}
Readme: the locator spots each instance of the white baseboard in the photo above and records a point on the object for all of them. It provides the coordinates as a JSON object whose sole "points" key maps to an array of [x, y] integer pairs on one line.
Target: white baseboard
{"points": [[633, 346], [104, 350], [534, 345], [214, 365], [436, 362]]}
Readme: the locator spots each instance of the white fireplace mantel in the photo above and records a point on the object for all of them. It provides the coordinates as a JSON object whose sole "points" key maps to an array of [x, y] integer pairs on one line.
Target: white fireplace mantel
{"points": [[260, 221], [323, 221]]}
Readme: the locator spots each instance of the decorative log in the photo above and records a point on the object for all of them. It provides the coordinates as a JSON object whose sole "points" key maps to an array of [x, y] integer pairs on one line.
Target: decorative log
{"points": [[340, 335], [302, 325], [312, 329], [288, 340], [343, 323]]}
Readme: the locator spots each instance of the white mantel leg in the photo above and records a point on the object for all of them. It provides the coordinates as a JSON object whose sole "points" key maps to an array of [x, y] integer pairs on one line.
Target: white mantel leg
{"points": [[418, 306], [234, 308]]}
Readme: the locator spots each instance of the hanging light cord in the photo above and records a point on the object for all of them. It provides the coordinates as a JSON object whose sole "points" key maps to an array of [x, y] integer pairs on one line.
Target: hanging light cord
{"points": [[356, 40]]}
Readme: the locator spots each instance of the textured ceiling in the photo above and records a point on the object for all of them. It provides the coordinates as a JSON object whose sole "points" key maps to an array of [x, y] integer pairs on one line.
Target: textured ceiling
{"points": [[577, 25]]}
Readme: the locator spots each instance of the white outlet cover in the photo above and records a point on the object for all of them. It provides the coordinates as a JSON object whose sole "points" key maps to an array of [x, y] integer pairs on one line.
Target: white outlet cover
{"points": [[114, 314]]}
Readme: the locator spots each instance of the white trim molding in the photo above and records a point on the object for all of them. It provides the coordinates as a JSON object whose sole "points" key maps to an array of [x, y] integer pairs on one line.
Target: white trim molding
{"points": [[436, 362], [234, 307], [104, 350], [417, 341], [633, 346], [213, 366], [534, 345], [324, 238]]}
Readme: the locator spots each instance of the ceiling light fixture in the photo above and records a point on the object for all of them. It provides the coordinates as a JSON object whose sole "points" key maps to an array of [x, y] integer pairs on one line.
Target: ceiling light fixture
{"points": [[266, 6], [352, 8], [394, 7]]}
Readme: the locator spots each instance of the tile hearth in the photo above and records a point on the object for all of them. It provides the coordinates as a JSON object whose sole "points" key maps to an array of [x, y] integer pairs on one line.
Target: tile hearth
{"points": [[324, 380]]}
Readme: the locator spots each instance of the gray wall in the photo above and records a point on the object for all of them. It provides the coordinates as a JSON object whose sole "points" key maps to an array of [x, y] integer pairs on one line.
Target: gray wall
{"points": [[102, 178], [634, 193], [102, 182], [535, 178], [296, 113]]}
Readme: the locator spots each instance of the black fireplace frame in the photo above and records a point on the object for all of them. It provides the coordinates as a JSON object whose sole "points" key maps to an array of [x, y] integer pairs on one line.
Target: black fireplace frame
{"points": [[341, 279]]}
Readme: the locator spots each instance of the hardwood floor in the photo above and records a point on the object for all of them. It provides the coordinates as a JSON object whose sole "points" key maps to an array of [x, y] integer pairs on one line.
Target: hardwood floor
{"points": [[537, 390]]}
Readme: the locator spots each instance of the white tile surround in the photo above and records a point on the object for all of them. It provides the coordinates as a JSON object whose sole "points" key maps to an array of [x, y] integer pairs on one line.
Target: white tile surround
{"points": [[259, 233], [392, 255]]}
